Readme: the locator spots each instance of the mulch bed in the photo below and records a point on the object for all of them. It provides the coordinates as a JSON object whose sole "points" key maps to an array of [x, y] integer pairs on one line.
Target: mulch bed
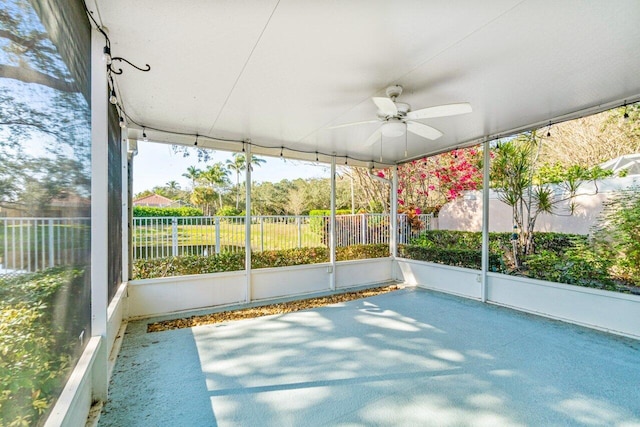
{"points": [[266, 310]]}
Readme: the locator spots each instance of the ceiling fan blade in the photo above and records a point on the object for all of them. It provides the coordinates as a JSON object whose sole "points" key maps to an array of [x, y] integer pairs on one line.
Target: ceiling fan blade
{"points": [[373, 138], [440, 111], [344, 125], [423, 130], [386, 105]]}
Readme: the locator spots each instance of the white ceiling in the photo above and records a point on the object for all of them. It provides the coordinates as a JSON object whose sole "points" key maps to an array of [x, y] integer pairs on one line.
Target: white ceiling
{"points": [[281, 72]]}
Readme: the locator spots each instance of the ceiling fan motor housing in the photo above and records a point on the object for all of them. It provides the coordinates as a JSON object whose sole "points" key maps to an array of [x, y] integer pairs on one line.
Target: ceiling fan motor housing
{"points": [[394, 91]]}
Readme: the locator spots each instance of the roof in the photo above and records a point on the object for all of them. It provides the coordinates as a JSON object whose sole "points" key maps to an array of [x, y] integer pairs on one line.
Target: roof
{"points": [[280, 73], [154, 200], [629, 163]]}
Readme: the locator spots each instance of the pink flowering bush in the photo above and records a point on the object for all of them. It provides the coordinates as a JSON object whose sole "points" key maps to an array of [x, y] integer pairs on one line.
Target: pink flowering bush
{"points": [[431, 182]]}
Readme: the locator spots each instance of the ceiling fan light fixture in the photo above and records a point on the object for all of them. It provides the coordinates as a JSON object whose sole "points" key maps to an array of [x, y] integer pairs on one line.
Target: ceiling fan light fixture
{"points": [[393, 129]]}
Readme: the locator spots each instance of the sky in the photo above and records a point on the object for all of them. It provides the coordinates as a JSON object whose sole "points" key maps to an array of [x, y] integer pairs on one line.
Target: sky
{"points": [[156, 164]]}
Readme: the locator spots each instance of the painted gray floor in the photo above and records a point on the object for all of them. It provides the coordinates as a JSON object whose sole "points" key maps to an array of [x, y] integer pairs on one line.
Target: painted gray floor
{"points": [[408, 358]]}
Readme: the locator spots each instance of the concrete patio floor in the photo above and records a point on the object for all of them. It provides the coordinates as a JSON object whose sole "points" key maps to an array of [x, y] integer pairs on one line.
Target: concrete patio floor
{"points": [[408, 358]]}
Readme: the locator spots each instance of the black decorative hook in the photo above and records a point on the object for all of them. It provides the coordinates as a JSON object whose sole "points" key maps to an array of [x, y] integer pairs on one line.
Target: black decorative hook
{"points": [[119, 70]]}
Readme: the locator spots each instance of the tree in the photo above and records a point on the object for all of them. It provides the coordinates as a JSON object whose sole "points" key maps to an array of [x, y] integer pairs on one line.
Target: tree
{"points": [[239, 165], [296, 201], [370, 194], [192, 174], [430, 182], [530, 188], [591, 140], [37, 139], [204, 198], [217, 178]]}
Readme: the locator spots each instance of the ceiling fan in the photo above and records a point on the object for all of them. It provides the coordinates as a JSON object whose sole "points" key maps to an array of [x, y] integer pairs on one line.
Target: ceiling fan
{"points": [[397, 117]]}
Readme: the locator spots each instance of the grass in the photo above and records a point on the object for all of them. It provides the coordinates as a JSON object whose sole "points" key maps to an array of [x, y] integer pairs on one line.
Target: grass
{"points": [[27, 244], [267, 236]]}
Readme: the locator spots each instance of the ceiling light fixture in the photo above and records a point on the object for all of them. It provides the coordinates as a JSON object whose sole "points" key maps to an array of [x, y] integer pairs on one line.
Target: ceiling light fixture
{"points": [[144, 135], [196, 143], [106, 54], [123, 124], [626, 114], [394, 128], [113, 98]]}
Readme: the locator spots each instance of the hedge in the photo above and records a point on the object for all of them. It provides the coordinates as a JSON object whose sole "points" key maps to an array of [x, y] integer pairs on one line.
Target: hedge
{"points": [[450, 239], [468, 258], [150, 211], [198, 264], [38, 336]]}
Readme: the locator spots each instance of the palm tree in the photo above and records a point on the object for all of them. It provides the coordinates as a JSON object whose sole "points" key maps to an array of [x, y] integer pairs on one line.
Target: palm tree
{"points": [[238, 165], [203, 197], [192, 174], [216, 176], [172, 185]]}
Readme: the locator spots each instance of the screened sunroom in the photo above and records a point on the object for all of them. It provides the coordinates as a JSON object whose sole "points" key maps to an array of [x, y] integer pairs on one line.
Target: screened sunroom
{"points": [[489, 131]]}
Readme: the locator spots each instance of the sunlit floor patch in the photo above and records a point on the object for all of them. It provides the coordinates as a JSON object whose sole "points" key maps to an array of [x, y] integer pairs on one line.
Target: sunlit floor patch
{"points": [[410, 357]]}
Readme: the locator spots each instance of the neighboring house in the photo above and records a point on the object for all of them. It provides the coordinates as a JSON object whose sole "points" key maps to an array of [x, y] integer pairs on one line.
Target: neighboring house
{"points": [[156, 201]]}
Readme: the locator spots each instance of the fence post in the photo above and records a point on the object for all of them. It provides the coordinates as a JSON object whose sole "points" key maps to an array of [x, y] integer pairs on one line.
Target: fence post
{"points": [[363, 220], [217, 223], [299, 222], [174, 236], [51, 244], [5, 251], [262, 233]]}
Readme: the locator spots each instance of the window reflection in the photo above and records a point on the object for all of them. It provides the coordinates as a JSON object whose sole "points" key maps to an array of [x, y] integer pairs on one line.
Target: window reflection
{"points": [[45, 182]]}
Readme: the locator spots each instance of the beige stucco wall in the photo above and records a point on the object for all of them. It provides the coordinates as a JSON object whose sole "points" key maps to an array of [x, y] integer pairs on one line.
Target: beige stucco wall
{"points": [[466, 213]]}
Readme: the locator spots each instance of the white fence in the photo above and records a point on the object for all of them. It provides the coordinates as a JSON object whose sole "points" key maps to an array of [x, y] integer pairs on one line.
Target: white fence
{"points": [[33, 244], [157, 237]]}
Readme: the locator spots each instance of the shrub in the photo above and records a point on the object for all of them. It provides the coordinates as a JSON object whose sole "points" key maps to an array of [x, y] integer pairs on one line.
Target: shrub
{"points": [[35, 350], [185, 265], [228, 211], [580, 266], [289, 257], [149, 211], [457, 257], [198, 264], [347, 253], [617, 234], [448, 239]]}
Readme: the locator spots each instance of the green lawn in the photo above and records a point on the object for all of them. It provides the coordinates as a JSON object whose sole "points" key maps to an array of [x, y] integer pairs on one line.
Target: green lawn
{"points": [[268, 236]]}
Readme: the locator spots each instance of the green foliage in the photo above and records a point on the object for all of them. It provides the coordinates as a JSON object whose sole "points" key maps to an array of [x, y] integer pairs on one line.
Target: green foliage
{"points": [[185, 265], [559, 257], [578, 266], [327, 212], [531, 188], [449, 239], [457, 257], [571, 176], [617, 234], [318, 223], [352, 252], [227, 261], [150, 211], [289, 257], [35, 352], [228, 211]]}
